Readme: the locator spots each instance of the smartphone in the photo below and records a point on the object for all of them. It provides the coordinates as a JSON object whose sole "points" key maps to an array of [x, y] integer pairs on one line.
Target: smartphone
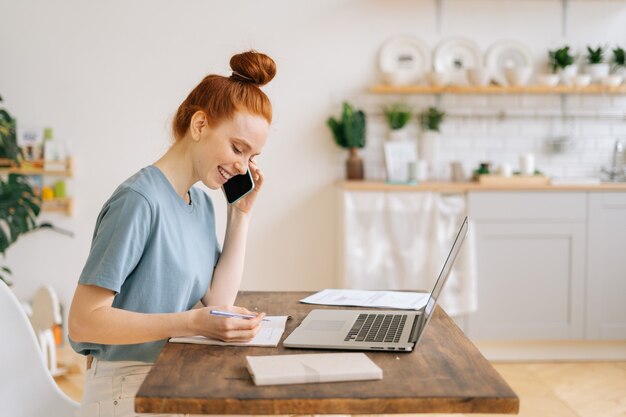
{"points": [[238, 186]]}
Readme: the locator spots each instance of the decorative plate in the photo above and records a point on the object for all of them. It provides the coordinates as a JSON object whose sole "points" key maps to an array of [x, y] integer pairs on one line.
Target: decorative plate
{"points": [[507, 54], [403, 60], [456, 55]]}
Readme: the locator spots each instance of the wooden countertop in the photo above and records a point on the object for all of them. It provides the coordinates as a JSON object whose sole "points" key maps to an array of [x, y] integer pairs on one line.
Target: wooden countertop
{"points": [[462, 187]]}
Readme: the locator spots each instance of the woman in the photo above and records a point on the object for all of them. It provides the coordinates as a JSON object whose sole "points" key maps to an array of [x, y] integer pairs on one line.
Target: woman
{"points": [[155, 254]]}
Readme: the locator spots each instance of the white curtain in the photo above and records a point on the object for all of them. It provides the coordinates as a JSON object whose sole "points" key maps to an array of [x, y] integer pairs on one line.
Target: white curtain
{"points": [[400, 240]]}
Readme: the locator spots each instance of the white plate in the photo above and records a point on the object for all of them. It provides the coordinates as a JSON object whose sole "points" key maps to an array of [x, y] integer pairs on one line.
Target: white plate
{"points": [[454, 56], [503, 54], [403, 60]]}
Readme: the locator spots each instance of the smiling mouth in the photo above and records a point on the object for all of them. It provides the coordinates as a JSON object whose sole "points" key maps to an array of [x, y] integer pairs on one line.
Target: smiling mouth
{"points": [[224, 173]]}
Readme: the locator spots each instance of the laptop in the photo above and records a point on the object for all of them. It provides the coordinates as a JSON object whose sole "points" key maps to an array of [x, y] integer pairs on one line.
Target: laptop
{"points": [[383, 330]]}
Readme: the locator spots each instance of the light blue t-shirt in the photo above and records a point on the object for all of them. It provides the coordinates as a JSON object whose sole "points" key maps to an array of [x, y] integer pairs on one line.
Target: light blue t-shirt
{"points": [[155, 251]]}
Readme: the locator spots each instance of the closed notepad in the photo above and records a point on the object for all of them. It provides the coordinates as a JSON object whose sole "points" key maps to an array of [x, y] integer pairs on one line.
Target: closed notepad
{"points": [[309, 368]]}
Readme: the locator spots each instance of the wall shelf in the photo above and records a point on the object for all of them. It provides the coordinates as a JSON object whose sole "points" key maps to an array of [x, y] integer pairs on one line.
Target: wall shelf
{"points": [[492, 89], [58, 205], [34, 168]]}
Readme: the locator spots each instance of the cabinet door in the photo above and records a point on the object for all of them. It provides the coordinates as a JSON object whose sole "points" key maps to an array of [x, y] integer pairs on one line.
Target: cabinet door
{"points": [[530, 280], [606, 273]]}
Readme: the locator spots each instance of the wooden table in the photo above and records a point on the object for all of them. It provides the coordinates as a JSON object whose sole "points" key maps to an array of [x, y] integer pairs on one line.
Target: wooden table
{"points": [[445, 374]]}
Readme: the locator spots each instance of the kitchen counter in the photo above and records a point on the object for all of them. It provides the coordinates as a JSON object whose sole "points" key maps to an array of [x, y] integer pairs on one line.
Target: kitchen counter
{"points": [[462, 187]]}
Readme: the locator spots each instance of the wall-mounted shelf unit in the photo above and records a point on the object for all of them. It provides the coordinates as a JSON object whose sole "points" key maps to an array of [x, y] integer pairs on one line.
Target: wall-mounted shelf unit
{"points": [[34, 168], [58, 205], [492, 89]]}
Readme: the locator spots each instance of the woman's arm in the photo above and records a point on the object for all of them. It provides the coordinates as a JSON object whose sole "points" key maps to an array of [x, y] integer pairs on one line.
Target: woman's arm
{"points": [[229, 270], [93, 319]]}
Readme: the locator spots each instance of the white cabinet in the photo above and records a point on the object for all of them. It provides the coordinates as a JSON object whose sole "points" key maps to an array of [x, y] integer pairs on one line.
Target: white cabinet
{"points": [[606, 269], [530, 250]]}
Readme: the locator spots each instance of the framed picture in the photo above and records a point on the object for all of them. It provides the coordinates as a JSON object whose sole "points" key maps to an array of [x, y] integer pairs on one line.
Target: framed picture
{"points": [[399, 158]]}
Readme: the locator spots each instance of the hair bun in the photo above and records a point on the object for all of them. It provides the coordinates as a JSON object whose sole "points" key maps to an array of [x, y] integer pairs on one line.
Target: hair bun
{"points": [[253, 67]]}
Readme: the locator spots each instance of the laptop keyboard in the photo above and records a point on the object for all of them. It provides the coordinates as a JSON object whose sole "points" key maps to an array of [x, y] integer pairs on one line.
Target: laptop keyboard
{"points": [[377, 328]]}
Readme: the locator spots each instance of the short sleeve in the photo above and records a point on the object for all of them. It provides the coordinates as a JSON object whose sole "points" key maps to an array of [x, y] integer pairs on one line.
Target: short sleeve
{"points": [[122, 230]]}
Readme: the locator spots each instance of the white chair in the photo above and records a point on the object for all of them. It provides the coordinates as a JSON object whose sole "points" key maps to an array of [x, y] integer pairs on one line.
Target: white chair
{"points": [[26, 386]]}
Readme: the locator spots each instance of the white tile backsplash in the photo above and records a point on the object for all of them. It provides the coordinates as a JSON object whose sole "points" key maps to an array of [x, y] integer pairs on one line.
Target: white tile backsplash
{"points": [[473, 133]]}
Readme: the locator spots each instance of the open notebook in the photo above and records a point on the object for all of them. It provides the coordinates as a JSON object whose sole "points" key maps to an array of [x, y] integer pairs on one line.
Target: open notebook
{"points": [[269, 335]]}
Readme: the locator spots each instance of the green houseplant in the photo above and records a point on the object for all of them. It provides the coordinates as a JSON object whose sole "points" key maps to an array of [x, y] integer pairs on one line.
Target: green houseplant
{"points": [[349, 133], [19, 205], [595, 56], [560, 58], [596, 67], [618, 57], [562, 62], [431, 118], [619, 61], [397, 116]]}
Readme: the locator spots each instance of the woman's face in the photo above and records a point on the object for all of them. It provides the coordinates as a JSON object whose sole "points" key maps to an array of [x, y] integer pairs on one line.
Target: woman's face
{"points": [[225, 150]]}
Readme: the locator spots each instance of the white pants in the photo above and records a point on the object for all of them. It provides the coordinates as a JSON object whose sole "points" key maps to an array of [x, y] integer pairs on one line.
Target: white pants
{"points": [[110, 389]]}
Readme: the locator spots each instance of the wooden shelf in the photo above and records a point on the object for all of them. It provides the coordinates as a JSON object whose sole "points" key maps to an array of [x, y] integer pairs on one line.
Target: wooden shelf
{"points": [[493, 89], [27, 170], [462, 187], [58, 205]]}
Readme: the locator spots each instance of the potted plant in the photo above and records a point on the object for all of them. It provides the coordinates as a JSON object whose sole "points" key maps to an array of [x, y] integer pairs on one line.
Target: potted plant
{"points": [[397, 115], [596, 67], [19, 205], [562, 62], [619, 61], [430, 121], [349, 133]]}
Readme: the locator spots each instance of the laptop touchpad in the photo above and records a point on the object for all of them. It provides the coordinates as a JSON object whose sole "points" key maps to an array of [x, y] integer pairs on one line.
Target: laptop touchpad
{"points": [[325, 325]]}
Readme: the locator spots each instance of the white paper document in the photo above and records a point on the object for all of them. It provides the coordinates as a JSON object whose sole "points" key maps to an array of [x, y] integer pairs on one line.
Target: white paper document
{"points": [[366, 298], [268, 336]]}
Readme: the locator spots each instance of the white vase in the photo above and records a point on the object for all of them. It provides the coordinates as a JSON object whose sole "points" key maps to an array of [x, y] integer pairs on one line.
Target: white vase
{"points": [[427, 151], [598, 71], [568, 73], [398, 135]]}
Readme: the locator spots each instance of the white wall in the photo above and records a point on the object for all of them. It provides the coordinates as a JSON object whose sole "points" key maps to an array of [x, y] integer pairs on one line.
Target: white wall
{"points": [[108, 76]]}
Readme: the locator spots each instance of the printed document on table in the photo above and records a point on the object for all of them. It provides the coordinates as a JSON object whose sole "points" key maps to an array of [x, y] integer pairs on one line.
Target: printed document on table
{"points": [[268, 336], [366, 298]]}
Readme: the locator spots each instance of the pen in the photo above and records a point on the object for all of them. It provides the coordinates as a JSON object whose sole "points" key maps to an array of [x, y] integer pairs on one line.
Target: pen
{"points": [[233, 315]]}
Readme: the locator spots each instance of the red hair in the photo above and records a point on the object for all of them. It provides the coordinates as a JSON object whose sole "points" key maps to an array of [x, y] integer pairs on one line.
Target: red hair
{"points": [[220, 97]]}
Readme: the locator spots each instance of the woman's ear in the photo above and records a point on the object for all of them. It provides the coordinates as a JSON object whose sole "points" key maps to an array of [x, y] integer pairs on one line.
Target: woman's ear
{"points": [[197, 124]]}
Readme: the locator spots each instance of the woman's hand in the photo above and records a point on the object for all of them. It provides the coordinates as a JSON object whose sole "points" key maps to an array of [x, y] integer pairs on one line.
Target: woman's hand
{"points": [[244, 205], [227, 329]]}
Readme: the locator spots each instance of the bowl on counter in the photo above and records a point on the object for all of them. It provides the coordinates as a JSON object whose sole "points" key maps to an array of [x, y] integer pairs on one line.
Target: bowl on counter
{"points": [[612, 80], [437, 78], [518, 76], [548, 80], [478, 76], [581, 80]]}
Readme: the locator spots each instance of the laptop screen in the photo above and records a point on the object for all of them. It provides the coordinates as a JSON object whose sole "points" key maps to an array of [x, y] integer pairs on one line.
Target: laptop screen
{"points": [[441, 280]]}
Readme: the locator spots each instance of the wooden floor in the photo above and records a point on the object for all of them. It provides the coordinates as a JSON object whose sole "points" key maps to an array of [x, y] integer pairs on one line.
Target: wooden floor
{"points": [[571, 389]]}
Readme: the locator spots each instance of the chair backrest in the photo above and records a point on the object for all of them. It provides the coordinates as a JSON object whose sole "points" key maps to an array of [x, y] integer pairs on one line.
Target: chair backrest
{"points": [[27, 387]]}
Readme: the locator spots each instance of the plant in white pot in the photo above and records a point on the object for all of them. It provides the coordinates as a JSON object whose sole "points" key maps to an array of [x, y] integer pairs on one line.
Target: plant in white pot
{"points": [[562, 63], [430, 121], [349, 133], [596, 67], [619, 62], [397, 116]]}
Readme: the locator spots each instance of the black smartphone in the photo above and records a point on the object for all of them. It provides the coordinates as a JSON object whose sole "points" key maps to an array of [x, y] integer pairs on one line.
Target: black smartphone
{"points": [[238, 186]]}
